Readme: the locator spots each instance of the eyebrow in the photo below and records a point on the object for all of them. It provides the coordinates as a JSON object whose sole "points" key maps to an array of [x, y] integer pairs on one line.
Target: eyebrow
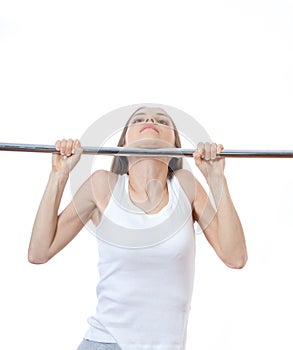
{"points": [[158, 113]]}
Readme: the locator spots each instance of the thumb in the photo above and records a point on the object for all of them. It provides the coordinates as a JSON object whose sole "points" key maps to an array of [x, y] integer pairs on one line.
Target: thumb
{"points": [[197, 158]]}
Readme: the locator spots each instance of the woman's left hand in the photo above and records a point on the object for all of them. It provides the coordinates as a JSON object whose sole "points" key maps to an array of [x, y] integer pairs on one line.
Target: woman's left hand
{"points": [[207, 161]]}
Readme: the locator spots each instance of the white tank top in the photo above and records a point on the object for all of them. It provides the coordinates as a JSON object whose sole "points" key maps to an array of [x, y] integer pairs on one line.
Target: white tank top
{"points": [[146, 270]]}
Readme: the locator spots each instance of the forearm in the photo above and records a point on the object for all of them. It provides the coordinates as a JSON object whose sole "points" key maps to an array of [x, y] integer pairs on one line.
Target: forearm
{"points": [[45, 224], [230, 231]]}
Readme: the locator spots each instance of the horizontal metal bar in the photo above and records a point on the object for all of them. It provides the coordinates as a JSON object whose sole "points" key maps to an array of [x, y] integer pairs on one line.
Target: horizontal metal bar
{"points": [[125, 151]]}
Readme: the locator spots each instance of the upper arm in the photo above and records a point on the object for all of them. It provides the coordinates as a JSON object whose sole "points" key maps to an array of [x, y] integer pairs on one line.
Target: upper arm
{"points": [[203, 210], [79, 211], [206, 216]]}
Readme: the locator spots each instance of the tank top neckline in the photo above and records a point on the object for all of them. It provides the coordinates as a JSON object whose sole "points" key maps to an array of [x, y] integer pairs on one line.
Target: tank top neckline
{"points": [[159, 213]]}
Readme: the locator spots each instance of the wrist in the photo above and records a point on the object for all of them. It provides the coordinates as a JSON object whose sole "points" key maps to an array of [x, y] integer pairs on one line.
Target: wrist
{"points": [[218, 186], [216, 179], [59, 177]]}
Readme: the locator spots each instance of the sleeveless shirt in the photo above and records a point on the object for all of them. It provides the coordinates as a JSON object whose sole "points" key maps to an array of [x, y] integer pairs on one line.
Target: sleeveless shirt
{"points": [[146, 272]]}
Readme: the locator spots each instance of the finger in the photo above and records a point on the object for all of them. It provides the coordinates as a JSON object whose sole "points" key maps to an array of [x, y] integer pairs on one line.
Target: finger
{"points": [[69, 145], [220, 148], [58, 145], [63, 147], [77, 147], [213, 151], [200, 149], [207, 147]]}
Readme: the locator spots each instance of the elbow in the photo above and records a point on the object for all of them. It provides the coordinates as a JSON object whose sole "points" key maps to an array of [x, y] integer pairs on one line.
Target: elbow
{"points": [[237, 263], [37, 259]]}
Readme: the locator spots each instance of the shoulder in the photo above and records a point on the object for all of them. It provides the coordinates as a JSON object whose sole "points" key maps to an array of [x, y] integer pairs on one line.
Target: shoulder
{"points": [[184, 175], [104, 175], [103, 182], [188, 182]]}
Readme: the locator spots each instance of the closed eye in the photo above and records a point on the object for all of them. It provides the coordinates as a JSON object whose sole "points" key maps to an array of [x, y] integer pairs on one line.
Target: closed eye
{"points": [[162, 121], [137, 120]]}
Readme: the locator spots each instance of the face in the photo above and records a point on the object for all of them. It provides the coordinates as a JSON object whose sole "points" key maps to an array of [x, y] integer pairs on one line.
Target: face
{"points": [[150, 127]]}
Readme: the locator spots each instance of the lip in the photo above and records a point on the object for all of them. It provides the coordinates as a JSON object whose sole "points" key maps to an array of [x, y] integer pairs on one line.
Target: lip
{"points": [[149, 127]]}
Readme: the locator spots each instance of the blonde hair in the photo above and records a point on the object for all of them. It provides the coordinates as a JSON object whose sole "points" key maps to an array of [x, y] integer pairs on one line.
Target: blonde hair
{"points": [[120, 164]]}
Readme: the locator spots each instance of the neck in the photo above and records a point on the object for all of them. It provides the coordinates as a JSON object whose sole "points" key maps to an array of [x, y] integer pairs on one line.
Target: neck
{"points": [[148, 175]]}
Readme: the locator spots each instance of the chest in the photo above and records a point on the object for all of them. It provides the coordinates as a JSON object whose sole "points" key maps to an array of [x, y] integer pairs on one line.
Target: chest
{"points": [[150, 204]]}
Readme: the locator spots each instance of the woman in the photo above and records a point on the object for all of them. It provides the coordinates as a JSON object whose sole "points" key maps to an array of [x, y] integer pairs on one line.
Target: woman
{"points": [[144, 294]]}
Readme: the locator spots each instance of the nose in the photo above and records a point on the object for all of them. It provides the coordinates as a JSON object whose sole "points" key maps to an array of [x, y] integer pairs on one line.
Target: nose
{"points": [[149, 120]]}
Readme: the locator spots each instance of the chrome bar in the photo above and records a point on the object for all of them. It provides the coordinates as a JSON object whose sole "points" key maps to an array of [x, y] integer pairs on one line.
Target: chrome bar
{"points": [[126, 151]]}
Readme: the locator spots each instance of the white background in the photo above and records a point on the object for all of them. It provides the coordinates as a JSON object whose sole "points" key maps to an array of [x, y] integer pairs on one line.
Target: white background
{"points": [[63, 64]]}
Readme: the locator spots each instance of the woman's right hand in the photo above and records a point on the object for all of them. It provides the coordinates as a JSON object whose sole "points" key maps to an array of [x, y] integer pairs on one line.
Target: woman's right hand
{"points": [[70, 153]]}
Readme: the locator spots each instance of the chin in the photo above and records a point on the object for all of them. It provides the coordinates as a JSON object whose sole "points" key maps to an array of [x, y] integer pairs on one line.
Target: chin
{"points": [[150, 143]]}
